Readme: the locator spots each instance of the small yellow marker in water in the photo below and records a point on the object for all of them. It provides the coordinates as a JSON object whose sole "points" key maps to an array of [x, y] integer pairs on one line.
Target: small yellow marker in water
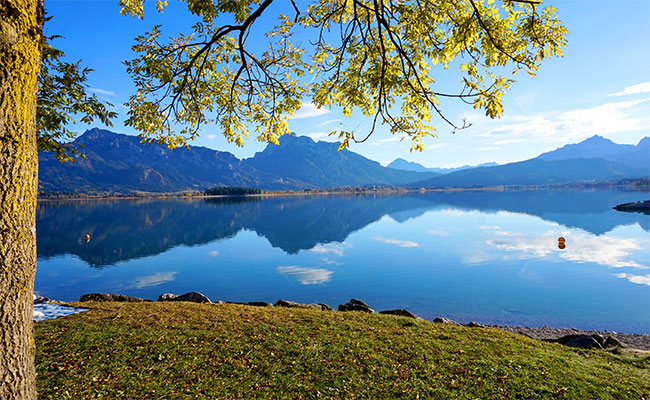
{"points": [[87, 238]]}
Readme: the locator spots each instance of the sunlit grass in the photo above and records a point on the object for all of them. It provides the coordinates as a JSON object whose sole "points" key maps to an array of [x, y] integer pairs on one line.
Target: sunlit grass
{"points": [[185, 350]]}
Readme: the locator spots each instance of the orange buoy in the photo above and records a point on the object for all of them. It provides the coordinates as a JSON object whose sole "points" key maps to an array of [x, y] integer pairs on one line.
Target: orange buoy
{"points": [[561, 239], [87, 238]]}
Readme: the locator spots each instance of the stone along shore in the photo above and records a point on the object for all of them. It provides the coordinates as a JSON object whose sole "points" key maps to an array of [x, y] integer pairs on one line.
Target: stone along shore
{"points": [[590, 339]]}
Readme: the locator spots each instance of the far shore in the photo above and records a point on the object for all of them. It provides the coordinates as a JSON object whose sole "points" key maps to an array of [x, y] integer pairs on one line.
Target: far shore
{"points": [[629, 185]]}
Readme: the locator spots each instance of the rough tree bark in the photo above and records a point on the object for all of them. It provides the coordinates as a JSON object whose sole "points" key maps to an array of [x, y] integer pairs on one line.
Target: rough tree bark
{"points": [[20, 58]]}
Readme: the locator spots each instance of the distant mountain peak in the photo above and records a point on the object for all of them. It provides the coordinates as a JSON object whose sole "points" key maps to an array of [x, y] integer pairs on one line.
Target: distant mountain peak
{"points": [[597, 139], [597, 146], [294, 137], [97, 131], [405, 165]]}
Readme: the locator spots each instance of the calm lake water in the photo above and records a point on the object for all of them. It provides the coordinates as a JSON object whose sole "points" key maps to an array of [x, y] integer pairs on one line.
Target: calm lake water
{"points": [[490, 257]]}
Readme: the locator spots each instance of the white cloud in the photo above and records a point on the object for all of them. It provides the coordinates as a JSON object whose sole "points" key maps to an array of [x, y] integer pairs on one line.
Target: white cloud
{"points": [[490, 227], [327, 122], [488, 148], [571, 125], [640, 279], [213, 253], [396, 242], [437, 145], [306, 276], [507, 141], [211, 136], [308, 110], [321, 136], [392, 139], [154, 280], [388, 140], [634, 89], [102, 91]]}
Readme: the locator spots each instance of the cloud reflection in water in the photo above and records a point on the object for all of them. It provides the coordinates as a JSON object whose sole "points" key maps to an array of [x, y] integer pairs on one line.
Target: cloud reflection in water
{"points": [[154, 280], [640, 279], [306, 276], [581, 247], [397, 242]]}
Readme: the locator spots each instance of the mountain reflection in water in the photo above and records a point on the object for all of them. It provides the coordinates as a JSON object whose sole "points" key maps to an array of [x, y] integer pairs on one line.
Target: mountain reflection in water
{"points": [[129, 229]]}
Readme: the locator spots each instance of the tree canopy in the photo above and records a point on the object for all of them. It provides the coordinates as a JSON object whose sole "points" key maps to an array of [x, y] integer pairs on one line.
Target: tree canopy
{"points": [[382, 57]]}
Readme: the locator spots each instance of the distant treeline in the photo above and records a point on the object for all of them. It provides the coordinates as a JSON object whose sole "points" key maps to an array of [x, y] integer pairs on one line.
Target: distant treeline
{"points": [[231, 191], [635, 184]]}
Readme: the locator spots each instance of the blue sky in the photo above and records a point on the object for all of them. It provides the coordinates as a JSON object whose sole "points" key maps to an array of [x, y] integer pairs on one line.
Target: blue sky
{"points": [[601, 85]]}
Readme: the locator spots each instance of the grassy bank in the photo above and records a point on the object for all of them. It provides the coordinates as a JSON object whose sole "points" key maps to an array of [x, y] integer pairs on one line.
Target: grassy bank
{"points": [[185, 350]]}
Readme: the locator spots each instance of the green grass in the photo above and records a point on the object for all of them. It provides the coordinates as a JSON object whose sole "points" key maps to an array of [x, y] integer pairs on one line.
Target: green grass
{"points": [[188, 351]]}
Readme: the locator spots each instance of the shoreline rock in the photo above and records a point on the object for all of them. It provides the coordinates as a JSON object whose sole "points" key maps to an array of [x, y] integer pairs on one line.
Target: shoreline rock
{"points": [[443, 320], [356, 305], [192, 297], [293, 304], [570, 337], [401, 312], [249, 303], [636, 341], [110, 297], [40, 299]]}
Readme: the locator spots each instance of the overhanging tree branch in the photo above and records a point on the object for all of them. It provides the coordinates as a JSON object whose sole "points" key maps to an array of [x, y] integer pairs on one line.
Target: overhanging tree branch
{"points": [[382, 58]]}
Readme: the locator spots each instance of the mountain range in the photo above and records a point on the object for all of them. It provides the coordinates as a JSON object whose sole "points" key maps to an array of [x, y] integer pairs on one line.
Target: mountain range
{"points": [[122, 164], [402, 164], [319, 165], [594, 159]]}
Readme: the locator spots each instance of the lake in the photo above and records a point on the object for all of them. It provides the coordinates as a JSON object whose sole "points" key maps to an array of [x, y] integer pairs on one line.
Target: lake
{"points": [[485, 256]]}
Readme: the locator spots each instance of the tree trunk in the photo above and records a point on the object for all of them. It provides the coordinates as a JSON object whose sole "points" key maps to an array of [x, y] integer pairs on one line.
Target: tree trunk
{"points": [[20, 60]]}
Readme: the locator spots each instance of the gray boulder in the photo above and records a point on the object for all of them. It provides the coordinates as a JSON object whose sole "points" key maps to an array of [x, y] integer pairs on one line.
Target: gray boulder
{"points": [[580, 340], [473, 324], [259, 304], [293, 304], [443, 320], [192, 297], [110, 297], [356, 305], [584, 342], [599, 338], [611, 341], [251, 303], [40, 299], [401, 312]]}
